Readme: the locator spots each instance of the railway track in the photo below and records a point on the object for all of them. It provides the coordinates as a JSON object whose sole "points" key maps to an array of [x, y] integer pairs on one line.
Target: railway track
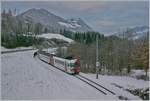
{"points": [[91, 83], [12, 51], [97, 84]]}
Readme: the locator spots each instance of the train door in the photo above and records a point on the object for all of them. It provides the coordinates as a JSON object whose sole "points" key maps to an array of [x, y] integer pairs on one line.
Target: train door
{"points": [[68, 67], [65, 66]]}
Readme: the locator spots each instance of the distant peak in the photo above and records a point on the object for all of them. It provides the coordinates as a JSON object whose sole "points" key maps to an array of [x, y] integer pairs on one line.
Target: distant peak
{"points": [[32, 9], [38, 9], [41, 9]]}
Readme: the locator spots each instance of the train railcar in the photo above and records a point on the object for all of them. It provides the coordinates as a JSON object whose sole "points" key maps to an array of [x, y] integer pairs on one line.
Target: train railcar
{"points": [[69, 64]]}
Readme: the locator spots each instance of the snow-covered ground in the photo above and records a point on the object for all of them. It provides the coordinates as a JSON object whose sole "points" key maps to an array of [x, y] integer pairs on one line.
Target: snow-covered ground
{"points": [[25, 77], [137, 73], [51, 50], [57, 36], [13, 49], [123, 81]]}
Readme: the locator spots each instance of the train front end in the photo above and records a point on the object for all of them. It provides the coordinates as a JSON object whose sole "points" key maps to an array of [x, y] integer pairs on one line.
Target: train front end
{"points": [[76, 66]]}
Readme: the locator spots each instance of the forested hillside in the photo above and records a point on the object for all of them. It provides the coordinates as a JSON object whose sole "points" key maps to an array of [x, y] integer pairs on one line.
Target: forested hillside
{"points": [[13, 32]]}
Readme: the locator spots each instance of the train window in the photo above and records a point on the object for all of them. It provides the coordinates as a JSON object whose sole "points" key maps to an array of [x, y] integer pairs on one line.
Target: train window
{"points": [[59, 61], [68, 64], [72, 64]]}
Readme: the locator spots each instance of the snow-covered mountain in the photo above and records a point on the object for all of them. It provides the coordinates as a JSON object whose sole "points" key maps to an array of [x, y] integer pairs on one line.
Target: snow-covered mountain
{"points": [[79, 25], [134, 32], [52, 22]]}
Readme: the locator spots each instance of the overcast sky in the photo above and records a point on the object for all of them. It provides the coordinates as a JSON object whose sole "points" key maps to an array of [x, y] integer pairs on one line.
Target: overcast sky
{"points": [[104, 16]]}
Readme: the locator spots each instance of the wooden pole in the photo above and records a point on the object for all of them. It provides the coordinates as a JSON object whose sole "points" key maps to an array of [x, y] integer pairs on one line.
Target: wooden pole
{"points": [[97, 60]]}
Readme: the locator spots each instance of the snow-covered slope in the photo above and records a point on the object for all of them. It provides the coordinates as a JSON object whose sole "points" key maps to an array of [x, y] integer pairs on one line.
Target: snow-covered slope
{"points": [[3, 49], [67, 25], [124, 81], [119, 84], [56, 36], [25, 77], [78, 25]]}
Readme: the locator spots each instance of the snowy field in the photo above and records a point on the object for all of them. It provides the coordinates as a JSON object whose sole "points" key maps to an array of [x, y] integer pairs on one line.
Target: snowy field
{"points": [[25, 77], [119, 84]]}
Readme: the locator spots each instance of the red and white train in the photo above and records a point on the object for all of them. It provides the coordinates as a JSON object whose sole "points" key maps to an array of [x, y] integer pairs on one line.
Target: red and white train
{"points": [[68, 64]]}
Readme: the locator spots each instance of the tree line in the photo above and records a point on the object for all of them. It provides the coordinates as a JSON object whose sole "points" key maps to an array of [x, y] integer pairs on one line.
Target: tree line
{"points": [[116, 55]]}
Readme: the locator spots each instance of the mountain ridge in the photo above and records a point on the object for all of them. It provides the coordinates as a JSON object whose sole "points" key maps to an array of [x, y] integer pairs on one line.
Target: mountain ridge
{"points": [[135, 32], [52, 21]]}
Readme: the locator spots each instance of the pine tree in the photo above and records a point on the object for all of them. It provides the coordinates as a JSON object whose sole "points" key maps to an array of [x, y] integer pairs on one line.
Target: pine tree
{"points": [[3, 13], [45, 30], [9, 12], [38, 28]]}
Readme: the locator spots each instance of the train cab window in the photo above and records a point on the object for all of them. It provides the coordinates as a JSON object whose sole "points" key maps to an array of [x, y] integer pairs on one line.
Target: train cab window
{"points": [[71, 64], [77, 64]]}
